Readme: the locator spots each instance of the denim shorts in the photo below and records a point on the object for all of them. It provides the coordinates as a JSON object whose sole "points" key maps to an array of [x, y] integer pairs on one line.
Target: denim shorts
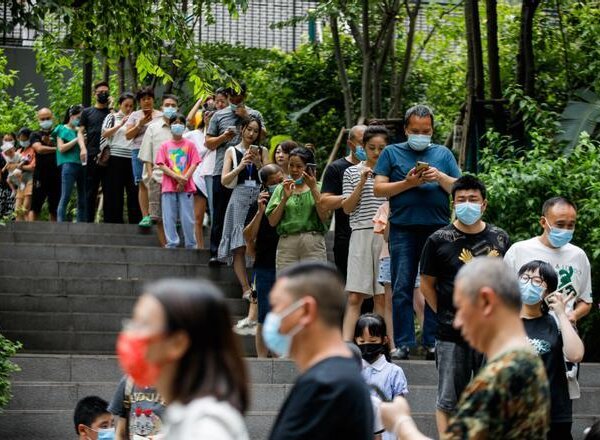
{"points": [[385, 272], [137, 166], [264, 280], [457, 364]]}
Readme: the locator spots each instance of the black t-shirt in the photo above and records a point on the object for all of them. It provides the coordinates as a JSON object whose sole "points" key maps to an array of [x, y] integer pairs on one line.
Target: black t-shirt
{"points": [[329, 401], [91, 120], [266, 240], [545, 337], [445, 252], [43, 162], [333, 182]]}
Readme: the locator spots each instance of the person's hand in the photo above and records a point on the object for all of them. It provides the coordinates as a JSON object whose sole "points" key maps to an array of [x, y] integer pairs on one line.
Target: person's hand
{"points": [[414, 178], [83, 155], [288, 188], [124, 120], [181, 180], [365, 173], [241, 112], [180, 187], [46, 140], [263, 200], [557, 302], [431, 174], [309, 179], [146, 119], [247, 159], [229, 133], [391, 411]]}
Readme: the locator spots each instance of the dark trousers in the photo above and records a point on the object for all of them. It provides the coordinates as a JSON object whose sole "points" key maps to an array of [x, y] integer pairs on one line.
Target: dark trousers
{"points": [[118, 180], [94, 175], [46, 186], [341, 245], [221, 196], [560, 431]]}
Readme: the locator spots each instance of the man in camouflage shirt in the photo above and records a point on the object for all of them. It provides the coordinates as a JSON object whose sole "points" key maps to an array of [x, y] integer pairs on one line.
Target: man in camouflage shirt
{"points": [[509, 398]]}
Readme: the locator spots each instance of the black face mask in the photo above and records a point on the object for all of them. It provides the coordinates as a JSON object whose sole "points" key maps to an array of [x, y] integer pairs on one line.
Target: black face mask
{"points": [[370, 352], [102, 97]]}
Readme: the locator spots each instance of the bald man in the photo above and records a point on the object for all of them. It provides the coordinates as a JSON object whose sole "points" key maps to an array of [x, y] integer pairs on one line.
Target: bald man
{"points": [[46, 177]]}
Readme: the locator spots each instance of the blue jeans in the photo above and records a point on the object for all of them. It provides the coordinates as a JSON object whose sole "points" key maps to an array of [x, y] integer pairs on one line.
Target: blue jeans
{"points": [[264, 280], [137, 166], [172, 203], [406, 245], [209, 195], [71, 174]]}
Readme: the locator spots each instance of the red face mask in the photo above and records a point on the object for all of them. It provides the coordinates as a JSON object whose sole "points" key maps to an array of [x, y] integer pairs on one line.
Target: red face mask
{"points": [[131, 351]]}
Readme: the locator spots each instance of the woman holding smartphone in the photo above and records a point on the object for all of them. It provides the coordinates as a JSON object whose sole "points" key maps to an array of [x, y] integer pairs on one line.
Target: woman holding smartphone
{"points": [[554, 339], [240, 172], [295, 210]]}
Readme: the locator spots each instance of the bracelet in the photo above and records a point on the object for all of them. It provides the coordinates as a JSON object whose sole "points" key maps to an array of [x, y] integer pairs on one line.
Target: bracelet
{"points": [[399, 422]]}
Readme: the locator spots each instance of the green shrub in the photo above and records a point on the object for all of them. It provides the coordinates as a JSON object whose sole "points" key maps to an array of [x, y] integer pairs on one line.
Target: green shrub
{"points": [[7, 350]]}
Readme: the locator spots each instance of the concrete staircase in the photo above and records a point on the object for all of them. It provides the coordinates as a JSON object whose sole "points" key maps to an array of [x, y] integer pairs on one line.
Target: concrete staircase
{"points": [[64, 289]]}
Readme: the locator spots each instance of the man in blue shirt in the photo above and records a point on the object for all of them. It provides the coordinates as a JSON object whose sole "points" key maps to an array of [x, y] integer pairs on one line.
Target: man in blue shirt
{"points": [[417, 177]]}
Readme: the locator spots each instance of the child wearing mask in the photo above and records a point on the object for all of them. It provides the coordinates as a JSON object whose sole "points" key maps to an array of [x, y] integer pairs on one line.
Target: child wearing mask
{"points": [[24, 174], [178, 159], [92, 419], [12, 159], [7, 192], [378, 371]]}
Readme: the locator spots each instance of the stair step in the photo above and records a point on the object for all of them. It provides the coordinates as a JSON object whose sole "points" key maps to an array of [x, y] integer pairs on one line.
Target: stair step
{"points": [[70, 238], [77, 228]]}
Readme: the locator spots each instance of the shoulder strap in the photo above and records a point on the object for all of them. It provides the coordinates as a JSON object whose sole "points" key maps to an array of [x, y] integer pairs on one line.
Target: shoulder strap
{"points": [[234, 157], [127, 394]]}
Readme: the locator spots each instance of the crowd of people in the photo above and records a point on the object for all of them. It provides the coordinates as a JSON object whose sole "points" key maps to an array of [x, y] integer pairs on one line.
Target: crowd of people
{"points": [[409, 235]]}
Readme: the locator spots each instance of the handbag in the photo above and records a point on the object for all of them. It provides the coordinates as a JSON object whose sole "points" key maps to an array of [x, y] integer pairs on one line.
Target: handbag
{"points": [[104, 156]]}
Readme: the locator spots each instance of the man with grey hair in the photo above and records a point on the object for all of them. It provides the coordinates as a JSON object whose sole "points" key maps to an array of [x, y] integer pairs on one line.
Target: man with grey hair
{"points": [[332, 198], [510, 397], [417, 177]]}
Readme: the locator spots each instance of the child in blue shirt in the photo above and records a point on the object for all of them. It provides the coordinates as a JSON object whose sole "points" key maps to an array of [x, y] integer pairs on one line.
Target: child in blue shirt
{"points": [[371, 337]]}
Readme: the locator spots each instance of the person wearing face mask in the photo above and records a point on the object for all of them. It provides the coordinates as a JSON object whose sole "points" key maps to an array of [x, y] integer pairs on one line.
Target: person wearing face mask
{"points": [[224, 132], [295, 210], [370, 335], [180, 341], [70, 158], [92, 419], [88, 138], [7, 160], [46, 176], [332, 195], [261, 241], [25, 168], [445, 252], [329, 398], [417, 177], [118, 179], [559, 217], [155, 135], [178, 159], [554, 342]]}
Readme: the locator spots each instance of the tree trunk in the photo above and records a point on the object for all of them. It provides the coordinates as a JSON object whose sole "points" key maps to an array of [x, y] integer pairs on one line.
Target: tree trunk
{"points": [[342, 72], [398, 98], [88, 72], [494, 66], [121, 74], [106, 71], [133, 71], [526, 58], [380, 63], [366, 85]]}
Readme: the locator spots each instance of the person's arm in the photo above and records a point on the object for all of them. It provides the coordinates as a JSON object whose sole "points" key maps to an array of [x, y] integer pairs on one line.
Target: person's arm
{"points": [[213, 140], [331, 201], [63, 146], [192, 114], [276, 214], [384, 188], [134, 129], [252, 228], [396, 419], [40, 148], [110, 132], [230, 173], [172, 174], [311, 182], [81, 141], [580, 310], [266, 159], [573, 348], [428, 291], [121, 429], [351, 201], [432, 174]]}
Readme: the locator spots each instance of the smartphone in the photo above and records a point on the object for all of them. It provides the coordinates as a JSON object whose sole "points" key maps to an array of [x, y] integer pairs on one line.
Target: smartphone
{"points": [[148, 112], [548, 298], [232, 128], [421, 166], [311, 168], [255, 148]]}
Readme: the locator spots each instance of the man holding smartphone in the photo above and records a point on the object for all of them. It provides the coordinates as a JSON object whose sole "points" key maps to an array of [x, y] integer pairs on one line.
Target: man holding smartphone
{"points": [[419, 206], [223, 132]]}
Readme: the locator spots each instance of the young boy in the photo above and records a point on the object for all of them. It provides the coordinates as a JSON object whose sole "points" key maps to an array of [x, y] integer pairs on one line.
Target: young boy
{"points": [[92, 419], [12, 159]]}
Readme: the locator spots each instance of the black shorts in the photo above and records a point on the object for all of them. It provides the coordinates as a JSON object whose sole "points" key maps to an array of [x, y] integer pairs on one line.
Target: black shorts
{"points": [[46, 185]]}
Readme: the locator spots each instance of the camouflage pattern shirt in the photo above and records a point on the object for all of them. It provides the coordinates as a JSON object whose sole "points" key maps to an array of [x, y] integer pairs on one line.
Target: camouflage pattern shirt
{"points": [[508, 399]]}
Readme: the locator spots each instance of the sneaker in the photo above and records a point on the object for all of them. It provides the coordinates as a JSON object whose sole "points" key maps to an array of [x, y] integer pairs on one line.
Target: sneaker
{"points": [[429, 353], [146, 222], [245, 326], [400, 354], [214, 262]]}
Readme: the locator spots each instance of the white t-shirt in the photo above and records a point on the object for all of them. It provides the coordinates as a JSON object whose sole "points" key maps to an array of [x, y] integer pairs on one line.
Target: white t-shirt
{"points": [[207, 156], [570, 262]]}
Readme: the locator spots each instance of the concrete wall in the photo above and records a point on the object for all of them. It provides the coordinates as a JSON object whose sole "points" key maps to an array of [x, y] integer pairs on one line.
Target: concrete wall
{"points": [[23, 60]]}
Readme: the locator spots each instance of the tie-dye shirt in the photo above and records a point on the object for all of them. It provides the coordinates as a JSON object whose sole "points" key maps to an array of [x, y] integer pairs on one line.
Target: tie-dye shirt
{"points": [[179, 156]]}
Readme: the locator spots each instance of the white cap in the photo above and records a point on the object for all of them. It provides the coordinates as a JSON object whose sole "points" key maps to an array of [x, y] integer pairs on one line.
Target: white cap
{"points": [[6, 147]]}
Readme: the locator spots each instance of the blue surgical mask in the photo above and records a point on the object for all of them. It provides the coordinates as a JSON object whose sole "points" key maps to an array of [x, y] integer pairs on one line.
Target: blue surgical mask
{"points": [[271, 188], [275, 341], [559, 237], [468, 213], [177, 129], [360, 153], [106, 434], [169, 112], [24, 144], [75, 122], [299, 181], [233, 107], [530, 294], [46, 124], [419, 142]]}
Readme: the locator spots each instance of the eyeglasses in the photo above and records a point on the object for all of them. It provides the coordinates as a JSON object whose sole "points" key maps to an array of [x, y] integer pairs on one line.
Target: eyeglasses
{"points": [[536, 281]]}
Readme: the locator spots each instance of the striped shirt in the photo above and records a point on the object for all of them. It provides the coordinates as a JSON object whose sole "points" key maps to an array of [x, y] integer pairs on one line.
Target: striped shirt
{"points": [[118, 143], [366, 208]]}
